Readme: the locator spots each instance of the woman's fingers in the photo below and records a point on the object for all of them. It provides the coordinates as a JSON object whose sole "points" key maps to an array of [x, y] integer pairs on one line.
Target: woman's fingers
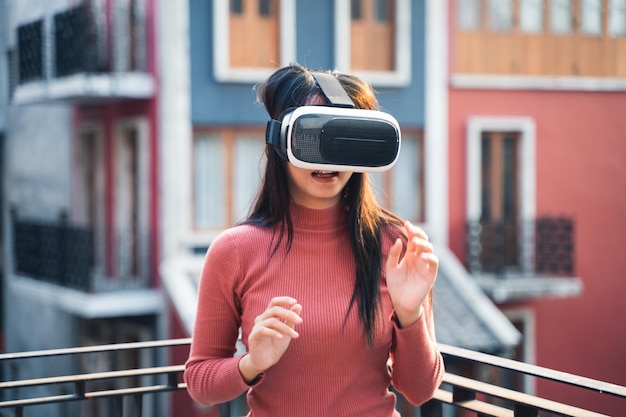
{"points": [[281, 317], [393, 257], [414, 231]]}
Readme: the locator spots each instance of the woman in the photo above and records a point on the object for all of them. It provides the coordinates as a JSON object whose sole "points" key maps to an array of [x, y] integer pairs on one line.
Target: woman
{"points": [[333, 294]]}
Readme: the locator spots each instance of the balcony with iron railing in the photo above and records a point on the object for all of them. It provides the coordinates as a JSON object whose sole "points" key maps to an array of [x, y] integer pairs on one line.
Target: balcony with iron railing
{"points": [[133, 392], [521, 259], [81, 258], [85, 53]]}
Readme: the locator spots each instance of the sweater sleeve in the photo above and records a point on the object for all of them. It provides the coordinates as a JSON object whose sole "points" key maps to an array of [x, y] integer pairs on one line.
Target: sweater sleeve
{"points": [[211, 372], [417, 364]]}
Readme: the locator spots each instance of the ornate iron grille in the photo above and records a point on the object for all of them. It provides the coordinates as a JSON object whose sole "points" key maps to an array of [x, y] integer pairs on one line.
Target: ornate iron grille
{"points": [[30, 39], [541, 246], [54, 252], [76, 40]]}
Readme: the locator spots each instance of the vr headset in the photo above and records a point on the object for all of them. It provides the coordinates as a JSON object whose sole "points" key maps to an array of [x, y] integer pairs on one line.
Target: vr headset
{"points": [[336, 137]]}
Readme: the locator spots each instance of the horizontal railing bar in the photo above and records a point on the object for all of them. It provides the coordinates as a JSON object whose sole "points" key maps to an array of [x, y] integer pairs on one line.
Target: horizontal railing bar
{"points": [[480, 407], [40, 400], [95, 348], [92, 377], [534, 370], [137, 390], [154, 389], [518, 397]]}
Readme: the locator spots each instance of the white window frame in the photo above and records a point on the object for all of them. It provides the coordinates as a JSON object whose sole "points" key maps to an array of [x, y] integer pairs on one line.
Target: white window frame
{"points": [[221, 44], [401, 76], [527, 166]]}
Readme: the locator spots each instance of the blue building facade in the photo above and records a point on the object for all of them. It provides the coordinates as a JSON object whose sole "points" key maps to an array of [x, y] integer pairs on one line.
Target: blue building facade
{"points": [[233, 102]]}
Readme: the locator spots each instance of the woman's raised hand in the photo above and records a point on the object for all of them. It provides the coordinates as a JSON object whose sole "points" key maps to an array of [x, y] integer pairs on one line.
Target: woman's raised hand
{"points": [[410, 279], [272, 332]]}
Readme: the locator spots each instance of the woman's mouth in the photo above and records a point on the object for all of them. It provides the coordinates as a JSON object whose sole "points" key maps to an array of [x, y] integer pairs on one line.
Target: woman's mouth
{"points": [[324, 174]]}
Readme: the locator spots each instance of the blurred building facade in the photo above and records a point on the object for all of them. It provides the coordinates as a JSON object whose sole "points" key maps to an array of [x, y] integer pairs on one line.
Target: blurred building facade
{"points": [[537, 92], [80, 185]]}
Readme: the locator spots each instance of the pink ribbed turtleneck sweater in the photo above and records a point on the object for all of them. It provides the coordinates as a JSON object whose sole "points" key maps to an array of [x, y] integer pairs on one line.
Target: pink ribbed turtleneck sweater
{"points": [[329, 370]]}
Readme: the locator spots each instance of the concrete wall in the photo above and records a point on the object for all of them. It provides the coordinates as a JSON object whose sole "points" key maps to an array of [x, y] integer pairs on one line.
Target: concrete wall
{"points": [[38, 160]]}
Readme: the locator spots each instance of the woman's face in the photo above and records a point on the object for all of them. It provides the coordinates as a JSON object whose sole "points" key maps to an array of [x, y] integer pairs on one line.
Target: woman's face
{"points": [[315, 189]]}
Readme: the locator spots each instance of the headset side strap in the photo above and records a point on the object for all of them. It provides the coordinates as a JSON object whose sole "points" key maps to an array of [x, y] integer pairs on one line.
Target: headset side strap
{"points": [[272, 137]]}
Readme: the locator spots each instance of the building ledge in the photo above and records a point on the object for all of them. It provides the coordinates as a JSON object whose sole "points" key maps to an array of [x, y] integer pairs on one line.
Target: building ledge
{"points": [[91, 306], [529, 82], [87, 87], [523, 287]]}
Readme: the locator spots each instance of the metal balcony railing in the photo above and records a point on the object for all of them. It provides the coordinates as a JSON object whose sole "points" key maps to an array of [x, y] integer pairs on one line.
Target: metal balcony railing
{"points": [[30, 44], [458, 391], [542, 246], [80, 258], [86, 38]]}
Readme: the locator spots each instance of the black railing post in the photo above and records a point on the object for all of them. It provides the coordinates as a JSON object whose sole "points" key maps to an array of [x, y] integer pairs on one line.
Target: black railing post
{"points": [[80, 389], [461, 394], [137, 405], [172, 379], [521, 410], [118, 404], [432, 408], [62, 248]]}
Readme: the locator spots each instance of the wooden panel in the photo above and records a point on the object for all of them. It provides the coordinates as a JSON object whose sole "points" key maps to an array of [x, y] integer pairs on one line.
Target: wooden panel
{"points": [[255, 39], [518, 53], [618, 53], [373, 42]]}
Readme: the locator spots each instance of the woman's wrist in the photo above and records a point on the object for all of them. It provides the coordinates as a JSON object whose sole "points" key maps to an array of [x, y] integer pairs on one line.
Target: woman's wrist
{"points": [[247, 373], [408, 319]]}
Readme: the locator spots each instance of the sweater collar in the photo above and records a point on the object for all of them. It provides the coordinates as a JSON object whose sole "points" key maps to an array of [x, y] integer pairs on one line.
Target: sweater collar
{"points": [[319, 219]]}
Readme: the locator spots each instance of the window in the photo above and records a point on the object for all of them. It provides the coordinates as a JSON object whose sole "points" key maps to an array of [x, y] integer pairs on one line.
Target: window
{"points": [[373, 40], [209, 187], [501, 15], [617, 18], [383, 11], [248, 168], [401, 189], [254, 35], [130, 243], [236, 6], [591, 17], [227, 169], [501, 187], [373, 30], [561, 16], [531, 16], [356, 10], [468, 14], [499, 200], [252, 38], [265, 7]]}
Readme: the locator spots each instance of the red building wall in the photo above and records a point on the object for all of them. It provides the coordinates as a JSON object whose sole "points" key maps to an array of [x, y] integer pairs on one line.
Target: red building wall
{"points": [[581, 173]]}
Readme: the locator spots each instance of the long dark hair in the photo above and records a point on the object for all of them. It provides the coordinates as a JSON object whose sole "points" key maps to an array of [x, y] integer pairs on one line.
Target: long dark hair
{"points": [[293, 86]]}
